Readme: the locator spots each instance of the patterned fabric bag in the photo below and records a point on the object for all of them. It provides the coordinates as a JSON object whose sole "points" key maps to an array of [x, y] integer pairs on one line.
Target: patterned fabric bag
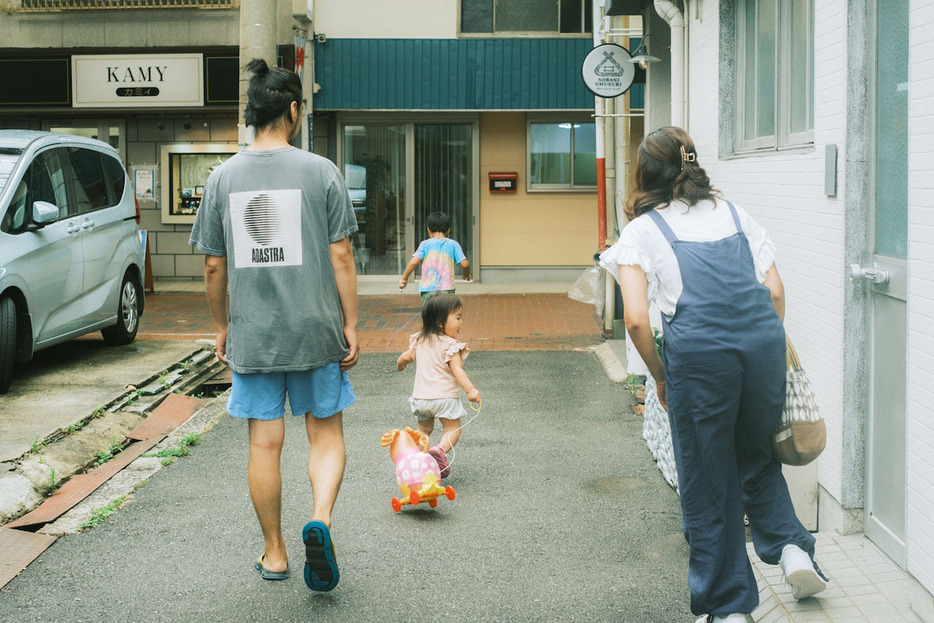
{"points": [[801, 434]]}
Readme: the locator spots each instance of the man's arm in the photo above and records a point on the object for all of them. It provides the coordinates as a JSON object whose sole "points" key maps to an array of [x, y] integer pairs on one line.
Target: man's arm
{"points": [[215, 282], [345, 273]]}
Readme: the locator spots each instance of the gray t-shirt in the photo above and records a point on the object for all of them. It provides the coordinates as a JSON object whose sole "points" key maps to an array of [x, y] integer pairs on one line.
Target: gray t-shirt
{"points": [[273, 215]]}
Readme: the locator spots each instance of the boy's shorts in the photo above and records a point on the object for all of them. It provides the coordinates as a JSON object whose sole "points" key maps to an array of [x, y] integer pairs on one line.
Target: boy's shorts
{"points": [[261, 395], [430, 293], [444, 408]]}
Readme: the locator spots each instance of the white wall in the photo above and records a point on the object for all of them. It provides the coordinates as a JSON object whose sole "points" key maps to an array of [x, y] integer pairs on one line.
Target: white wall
{"points": [[398, 19], [785, 193], [920, 449]]}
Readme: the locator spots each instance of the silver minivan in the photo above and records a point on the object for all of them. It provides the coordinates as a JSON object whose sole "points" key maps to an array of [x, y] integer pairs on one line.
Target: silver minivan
{"points": [[70, 255]]}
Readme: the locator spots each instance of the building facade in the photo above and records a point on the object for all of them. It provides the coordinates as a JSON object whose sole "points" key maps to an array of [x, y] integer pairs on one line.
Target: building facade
{"points": [[425, 106], [816, 117]]}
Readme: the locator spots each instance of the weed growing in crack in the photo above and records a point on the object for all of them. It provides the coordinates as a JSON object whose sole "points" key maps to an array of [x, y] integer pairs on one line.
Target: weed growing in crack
{"points": [[102, 513]]}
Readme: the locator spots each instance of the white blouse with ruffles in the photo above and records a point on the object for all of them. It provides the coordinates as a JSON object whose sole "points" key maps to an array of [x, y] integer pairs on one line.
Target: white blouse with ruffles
{"points": [[642, 243]]}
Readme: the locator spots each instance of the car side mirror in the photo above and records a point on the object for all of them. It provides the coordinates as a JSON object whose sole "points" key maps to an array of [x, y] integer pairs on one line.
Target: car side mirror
{"points": [[44, 213]]}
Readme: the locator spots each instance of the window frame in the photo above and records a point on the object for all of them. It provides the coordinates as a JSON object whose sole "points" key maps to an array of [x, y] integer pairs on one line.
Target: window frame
{"points": [[587, 25], [553, 119], [783, 138]]}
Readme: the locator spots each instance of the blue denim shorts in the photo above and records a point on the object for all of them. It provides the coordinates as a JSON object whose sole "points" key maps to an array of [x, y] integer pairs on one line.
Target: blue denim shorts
{"points": [[261, 395]]}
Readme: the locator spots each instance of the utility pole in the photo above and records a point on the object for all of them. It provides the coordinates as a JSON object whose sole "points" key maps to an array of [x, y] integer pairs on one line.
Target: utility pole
{"points": [[258, 29]]}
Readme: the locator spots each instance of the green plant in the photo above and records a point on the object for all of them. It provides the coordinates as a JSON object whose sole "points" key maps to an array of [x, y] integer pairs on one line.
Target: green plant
{"points": [[98, 412], [105, 455], [53, 481], [168, 455], [659, 344], [36, 444], [74, 428], [102, 513]]}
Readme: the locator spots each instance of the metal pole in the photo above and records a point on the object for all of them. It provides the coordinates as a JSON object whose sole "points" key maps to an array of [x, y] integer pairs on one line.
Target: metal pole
{"points": [[600, 128], [258, 28]]}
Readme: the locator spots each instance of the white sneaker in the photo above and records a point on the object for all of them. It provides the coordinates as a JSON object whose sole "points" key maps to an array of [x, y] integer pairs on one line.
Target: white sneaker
{"points": [[722, 618], [800, 572]]}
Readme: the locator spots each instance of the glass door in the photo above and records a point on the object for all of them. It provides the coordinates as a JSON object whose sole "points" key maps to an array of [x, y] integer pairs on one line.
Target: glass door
{"points": [[397, 175], [444, 181], [111, 131], [374, 168], [888, 286]]}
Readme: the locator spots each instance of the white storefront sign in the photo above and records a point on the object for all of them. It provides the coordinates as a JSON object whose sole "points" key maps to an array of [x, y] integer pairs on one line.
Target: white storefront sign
{"points": [[137, 80], [607, 71]]}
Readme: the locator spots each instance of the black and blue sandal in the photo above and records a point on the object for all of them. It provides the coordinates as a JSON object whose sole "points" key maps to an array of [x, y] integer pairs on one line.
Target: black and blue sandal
{"points": [[266, 574], [321, 572]]}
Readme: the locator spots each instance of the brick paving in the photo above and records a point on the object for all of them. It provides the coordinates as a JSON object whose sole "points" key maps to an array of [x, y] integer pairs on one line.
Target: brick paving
{"points": [[493, 322]]}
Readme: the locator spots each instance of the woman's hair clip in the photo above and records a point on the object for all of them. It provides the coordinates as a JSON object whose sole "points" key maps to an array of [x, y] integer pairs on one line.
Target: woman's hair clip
{"points": [[687, 157]]}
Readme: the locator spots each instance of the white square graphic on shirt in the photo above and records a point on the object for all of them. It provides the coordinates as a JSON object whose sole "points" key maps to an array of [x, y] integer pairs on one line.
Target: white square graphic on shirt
{"points": [[267, 227]]}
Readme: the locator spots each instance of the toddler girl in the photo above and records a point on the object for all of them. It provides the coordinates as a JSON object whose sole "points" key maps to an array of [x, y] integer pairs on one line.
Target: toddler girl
{"points": [[439, 372]]}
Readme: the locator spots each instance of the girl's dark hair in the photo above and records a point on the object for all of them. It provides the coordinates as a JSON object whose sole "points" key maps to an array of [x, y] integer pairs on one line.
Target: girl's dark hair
{"points": [[438, 221], [435, 313], [270, 94], [666, 170]]}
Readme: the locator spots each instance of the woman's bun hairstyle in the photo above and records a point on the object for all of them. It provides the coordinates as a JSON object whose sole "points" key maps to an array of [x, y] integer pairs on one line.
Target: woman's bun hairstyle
{"points": [[270, 94]]}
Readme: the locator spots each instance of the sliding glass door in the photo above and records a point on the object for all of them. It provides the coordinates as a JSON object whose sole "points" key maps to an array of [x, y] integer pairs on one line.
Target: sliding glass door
{"points": [[397, 175]]}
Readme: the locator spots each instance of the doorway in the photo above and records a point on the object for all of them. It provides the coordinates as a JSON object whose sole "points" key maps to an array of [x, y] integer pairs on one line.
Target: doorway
{"points": [[398, 174], [110, 131], [884, 271]]}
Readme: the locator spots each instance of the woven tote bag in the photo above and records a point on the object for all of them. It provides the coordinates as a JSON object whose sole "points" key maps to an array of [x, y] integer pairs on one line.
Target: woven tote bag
{"points": [[801, 434]]}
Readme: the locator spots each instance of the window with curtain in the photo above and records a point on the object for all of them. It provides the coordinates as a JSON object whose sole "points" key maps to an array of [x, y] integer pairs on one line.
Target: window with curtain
{"points": [[562, 156], [774, 74], [509, 16]]}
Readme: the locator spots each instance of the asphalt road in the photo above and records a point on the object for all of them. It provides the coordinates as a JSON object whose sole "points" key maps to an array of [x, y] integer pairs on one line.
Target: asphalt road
{"points": [[560, 515]]}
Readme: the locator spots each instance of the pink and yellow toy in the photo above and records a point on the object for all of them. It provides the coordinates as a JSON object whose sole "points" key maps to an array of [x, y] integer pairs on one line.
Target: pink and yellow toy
{"points": [[416, 471]]}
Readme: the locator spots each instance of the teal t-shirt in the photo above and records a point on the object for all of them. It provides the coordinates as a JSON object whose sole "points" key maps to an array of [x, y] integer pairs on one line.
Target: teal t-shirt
{"points": [[273, 215]]}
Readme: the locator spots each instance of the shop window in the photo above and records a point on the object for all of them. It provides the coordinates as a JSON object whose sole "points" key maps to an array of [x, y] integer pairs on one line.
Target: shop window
{"points": [[562, 156], [774, 74], [511, 16], [185, 170]]}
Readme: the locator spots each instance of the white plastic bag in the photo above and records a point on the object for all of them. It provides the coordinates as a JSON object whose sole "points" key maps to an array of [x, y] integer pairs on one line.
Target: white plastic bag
{"points": [[590, 288]]}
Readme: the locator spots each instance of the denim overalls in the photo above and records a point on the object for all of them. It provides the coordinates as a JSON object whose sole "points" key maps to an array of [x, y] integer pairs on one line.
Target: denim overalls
{"points": [[725, 386]]}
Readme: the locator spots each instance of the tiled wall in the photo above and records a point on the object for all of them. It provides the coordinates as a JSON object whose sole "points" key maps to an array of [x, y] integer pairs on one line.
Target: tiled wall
{"points": [[168, 243], [920, 450]]}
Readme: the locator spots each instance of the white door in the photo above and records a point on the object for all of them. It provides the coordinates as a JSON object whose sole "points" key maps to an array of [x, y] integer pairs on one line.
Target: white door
{"points": [[884, 272]]}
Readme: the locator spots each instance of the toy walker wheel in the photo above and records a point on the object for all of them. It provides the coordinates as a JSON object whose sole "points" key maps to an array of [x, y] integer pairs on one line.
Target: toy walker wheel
{"points": [[433, 502], [396, 505], [414, 498], [449, 491]]}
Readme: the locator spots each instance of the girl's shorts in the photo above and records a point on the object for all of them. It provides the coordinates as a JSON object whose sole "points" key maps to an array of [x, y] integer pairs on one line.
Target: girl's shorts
{"points": [[261, 395], [445, 408]]}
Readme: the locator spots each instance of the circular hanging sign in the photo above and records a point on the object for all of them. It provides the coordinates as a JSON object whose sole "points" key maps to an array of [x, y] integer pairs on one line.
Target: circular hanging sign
{"points": [[607, 71]]}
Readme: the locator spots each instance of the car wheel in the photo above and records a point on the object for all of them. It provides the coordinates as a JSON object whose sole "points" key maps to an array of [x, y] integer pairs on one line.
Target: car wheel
{"points": [[127, 325], [7, 342]]}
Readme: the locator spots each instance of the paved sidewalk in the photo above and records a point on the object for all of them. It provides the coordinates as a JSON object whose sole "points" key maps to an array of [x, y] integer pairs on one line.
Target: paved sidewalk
{"points": [[538, 317]]}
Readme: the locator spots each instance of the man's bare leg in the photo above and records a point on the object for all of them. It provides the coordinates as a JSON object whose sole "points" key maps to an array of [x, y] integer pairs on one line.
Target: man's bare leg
{"points": [[265, 482]]}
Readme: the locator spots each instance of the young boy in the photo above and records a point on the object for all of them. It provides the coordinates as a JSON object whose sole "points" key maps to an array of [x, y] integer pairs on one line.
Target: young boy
{"points": [[439, 254]]}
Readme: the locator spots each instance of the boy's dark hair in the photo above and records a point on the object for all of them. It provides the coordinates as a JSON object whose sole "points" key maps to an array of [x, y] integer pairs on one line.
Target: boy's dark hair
{"points": [[435, 313], [438, 222], [270, 94]]}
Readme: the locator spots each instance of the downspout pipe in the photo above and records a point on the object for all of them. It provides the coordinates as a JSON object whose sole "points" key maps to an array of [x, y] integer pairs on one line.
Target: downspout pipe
{"points": [[670, 12]]}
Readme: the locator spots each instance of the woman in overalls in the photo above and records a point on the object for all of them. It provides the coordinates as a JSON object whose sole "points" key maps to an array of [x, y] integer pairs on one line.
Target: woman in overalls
{"points": [[710, 269]]}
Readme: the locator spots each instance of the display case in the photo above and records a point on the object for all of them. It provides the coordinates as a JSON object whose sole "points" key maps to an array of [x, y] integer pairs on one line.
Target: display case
{"points": [[185, 170]]}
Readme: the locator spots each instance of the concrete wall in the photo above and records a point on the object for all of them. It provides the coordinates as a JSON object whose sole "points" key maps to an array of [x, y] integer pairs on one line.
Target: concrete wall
{"points": [[400, 19], [525, 229]]}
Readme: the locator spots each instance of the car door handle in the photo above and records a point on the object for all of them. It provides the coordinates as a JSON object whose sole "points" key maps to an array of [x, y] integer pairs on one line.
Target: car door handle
{"points": [[87, 224], [72, 228]]}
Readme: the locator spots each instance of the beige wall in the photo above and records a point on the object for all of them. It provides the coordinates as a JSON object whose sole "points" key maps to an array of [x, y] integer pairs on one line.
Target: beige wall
{"points": [[398, 19], [528, 229]]}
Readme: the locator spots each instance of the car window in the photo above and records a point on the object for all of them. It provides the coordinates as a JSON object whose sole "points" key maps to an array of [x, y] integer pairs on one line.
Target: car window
{"points": [[91, 189], [116, 178], [7, 164], [44, 180]]}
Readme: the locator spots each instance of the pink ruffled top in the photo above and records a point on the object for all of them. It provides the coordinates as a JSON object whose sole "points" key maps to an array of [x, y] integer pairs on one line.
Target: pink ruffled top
{"points": [[433, 376]]}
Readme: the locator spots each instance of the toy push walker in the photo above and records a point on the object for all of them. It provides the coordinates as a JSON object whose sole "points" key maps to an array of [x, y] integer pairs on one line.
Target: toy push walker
{"points": [[417, 472]]}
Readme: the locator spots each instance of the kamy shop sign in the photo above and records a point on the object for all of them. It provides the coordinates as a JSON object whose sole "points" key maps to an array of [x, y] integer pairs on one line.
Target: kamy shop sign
{"points": [[137, 80]]}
